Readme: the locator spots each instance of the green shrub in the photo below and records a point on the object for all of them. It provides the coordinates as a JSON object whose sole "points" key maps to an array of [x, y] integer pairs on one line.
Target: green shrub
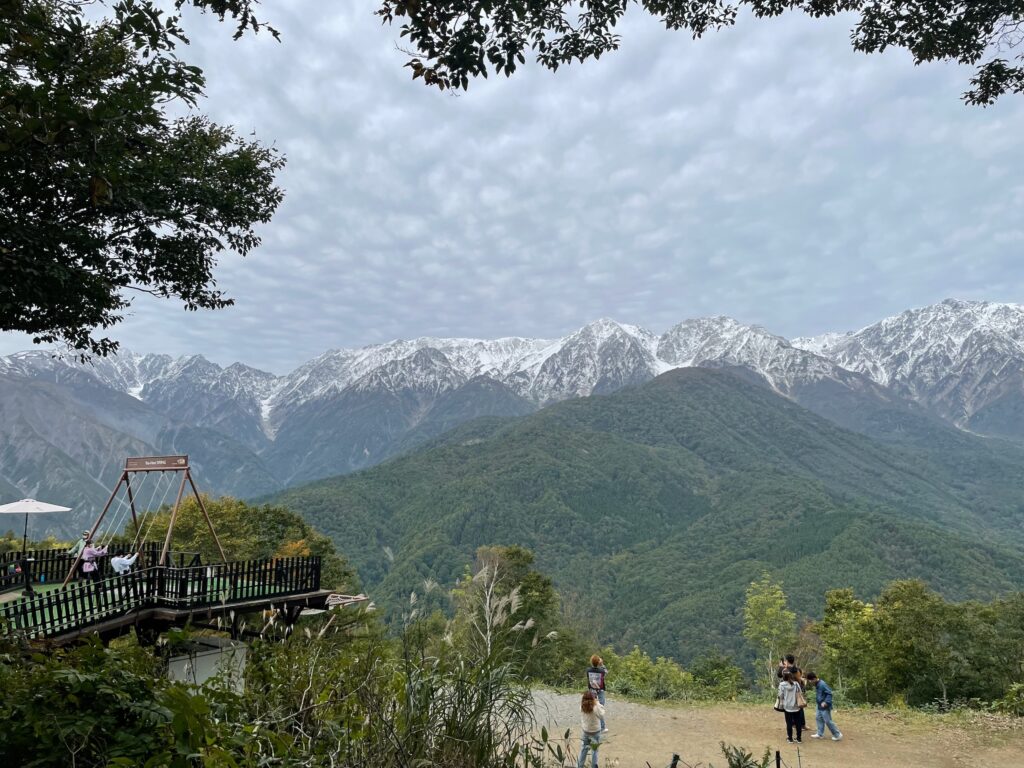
{"points": [[737, 757], [1013, 702], [636, 674], [719, 677], [94, 707]]}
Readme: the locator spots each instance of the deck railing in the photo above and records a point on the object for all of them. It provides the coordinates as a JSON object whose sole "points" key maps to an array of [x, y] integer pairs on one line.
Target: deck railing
{"points": [[86, 603], [50, 565]]}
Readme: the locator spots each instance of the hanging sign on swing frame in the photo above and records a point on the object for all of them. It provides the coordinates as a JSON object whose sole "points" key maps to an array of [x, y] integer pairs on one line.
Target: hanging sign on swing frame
{"points": [[155, 463]]}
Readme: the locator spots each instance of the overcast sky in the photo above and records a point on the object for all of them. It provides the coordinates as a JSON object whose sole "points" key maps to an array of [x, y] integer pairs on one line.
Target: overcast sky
{"points": [[767, 172]]}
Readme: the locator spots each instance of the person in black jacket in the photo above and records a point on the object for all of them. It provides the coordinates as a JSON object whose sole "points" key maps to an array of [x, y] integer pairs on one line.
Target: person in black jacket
{"points": [[787, 664], [596, 674]]}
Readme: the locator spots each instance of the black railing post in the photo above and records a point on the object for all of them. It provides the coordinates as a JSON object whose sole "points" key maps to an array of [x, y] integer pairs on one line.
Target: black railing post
{"points": [[182, 585], [158, 596], [23, 614], [233, 589]]}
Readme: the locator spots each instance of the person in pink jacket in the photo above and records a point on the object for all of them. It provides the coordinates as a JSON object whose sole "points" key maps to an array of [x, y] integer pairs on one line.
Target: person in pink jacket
{"points": [[89, 557]]}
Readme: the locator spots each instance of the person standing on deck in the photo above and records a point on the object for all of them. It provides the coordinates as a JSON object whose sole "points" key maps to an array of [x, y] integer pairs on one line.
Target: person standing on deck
{"points": [[76, 550], [79, 545], [89, 557], [123, 563]]}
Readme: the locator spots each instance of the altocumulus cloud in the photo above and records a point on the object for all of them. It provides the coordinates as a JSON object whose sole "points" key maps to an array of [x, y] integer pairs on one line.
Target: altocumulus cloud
{"points": [[767, 172]]}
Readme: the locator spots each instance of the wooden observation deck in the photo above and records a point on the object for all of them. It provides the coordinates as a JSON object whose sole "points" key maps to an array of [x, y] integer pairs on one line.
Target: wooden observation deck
{"points": [[161, 596], [168, 589]]}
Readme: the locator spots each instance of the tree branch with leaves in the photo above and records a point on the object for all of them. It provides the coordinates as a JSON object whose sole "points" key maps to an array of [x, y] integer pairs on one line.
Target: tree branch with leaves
{"points": [[102, 192], [768, 625], [453, 41]]}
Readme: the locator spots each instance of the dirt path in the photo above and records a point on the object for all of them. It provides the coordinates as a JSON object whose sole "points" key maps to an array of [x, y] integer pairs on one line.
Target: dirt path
{"points": [[639, 733]]}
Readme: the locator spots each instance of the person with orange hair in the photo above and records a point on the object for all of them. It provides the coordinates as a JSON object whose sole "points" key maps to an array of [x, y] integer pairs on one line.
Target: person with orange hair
{"points": [[596, 675]]}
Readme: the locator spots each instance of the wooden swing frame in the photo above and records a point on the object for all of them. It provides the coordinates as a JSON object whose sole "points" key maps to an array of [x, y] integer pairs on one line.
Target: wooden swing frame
{"points": [[153, 464]]}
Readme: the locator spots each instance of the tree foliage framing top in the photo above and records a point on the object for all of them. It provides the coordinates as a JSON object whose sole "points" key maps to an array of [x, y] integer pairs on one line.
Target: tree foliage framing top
{"points": [[455, 40], [102, 192]]}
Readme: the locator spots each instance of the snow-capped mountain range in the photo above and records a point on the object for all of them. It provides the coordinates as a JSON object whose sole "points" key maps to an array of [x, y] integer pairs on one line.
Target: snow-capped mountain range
{"points": [[250, 431], [962, 359]]}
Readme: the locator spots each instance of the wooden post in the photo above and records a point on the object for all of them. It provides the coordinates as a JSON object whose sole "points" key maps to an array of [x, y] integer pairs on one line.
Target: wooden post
{"points": [[170, 524], [209, 523], [131, 503], [95, 526]]}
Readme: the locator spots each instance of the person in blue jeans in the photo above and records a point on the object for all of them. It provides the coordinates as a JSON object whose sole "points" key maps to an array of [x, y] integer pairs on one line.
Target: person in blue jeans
{"points": [[591, 713], [823, 708]]}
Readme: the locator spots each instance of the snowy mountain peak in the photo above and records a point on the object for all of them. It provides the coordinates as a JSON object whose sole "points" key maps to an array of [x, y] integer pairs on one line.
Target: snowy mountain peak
{"points": [[957, 357], [605, 328], [822, 344], [425, 370], [698, 340]]}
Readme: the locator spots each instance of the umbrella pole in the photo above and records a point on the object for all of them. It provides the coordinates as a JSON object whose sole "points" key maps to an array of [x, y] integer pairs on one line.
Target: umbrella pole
{"points": [[26, 565]]}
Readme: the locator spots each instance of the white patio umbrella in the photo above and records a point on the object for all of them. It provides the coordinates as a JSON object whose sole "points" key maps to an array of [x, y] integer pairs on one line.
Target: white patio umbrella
{"points": [[28, 507]]}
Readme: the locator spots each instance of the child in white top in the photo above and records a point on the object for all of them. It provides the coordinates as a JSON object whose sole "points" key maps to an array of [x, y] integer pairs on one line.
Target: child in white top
{"points": [[591, 714]]}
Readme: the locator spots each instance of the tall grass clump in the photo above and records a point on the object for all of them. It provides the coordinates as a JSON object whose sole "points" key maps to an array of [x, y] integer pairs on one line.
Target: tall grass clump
{"points": [[448, 693]]}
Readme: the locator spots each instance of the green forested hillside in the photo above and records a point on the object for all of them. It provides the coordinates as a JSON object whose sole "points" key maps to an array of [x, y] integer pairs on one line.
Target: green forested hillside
{"points": [[654, 508]]}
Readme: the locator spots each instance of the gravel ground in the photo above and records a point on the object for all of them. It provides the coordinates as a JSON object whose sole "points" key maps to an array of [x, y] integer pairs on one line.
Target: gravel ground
{"points": [[563, 709], [641, 734]]}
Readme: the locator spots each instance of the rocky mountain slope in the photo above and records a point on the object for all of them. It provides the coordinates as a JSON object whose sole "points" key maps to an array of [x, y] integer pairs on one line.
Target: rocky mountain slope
{"points": [[962, 360], [954, 366]]}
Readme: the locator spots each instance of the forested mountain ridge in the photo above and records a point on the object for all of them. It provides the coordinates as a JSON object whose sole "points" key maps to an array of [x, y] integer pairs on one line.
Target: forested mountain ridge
{"points": [[655, 506]]}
